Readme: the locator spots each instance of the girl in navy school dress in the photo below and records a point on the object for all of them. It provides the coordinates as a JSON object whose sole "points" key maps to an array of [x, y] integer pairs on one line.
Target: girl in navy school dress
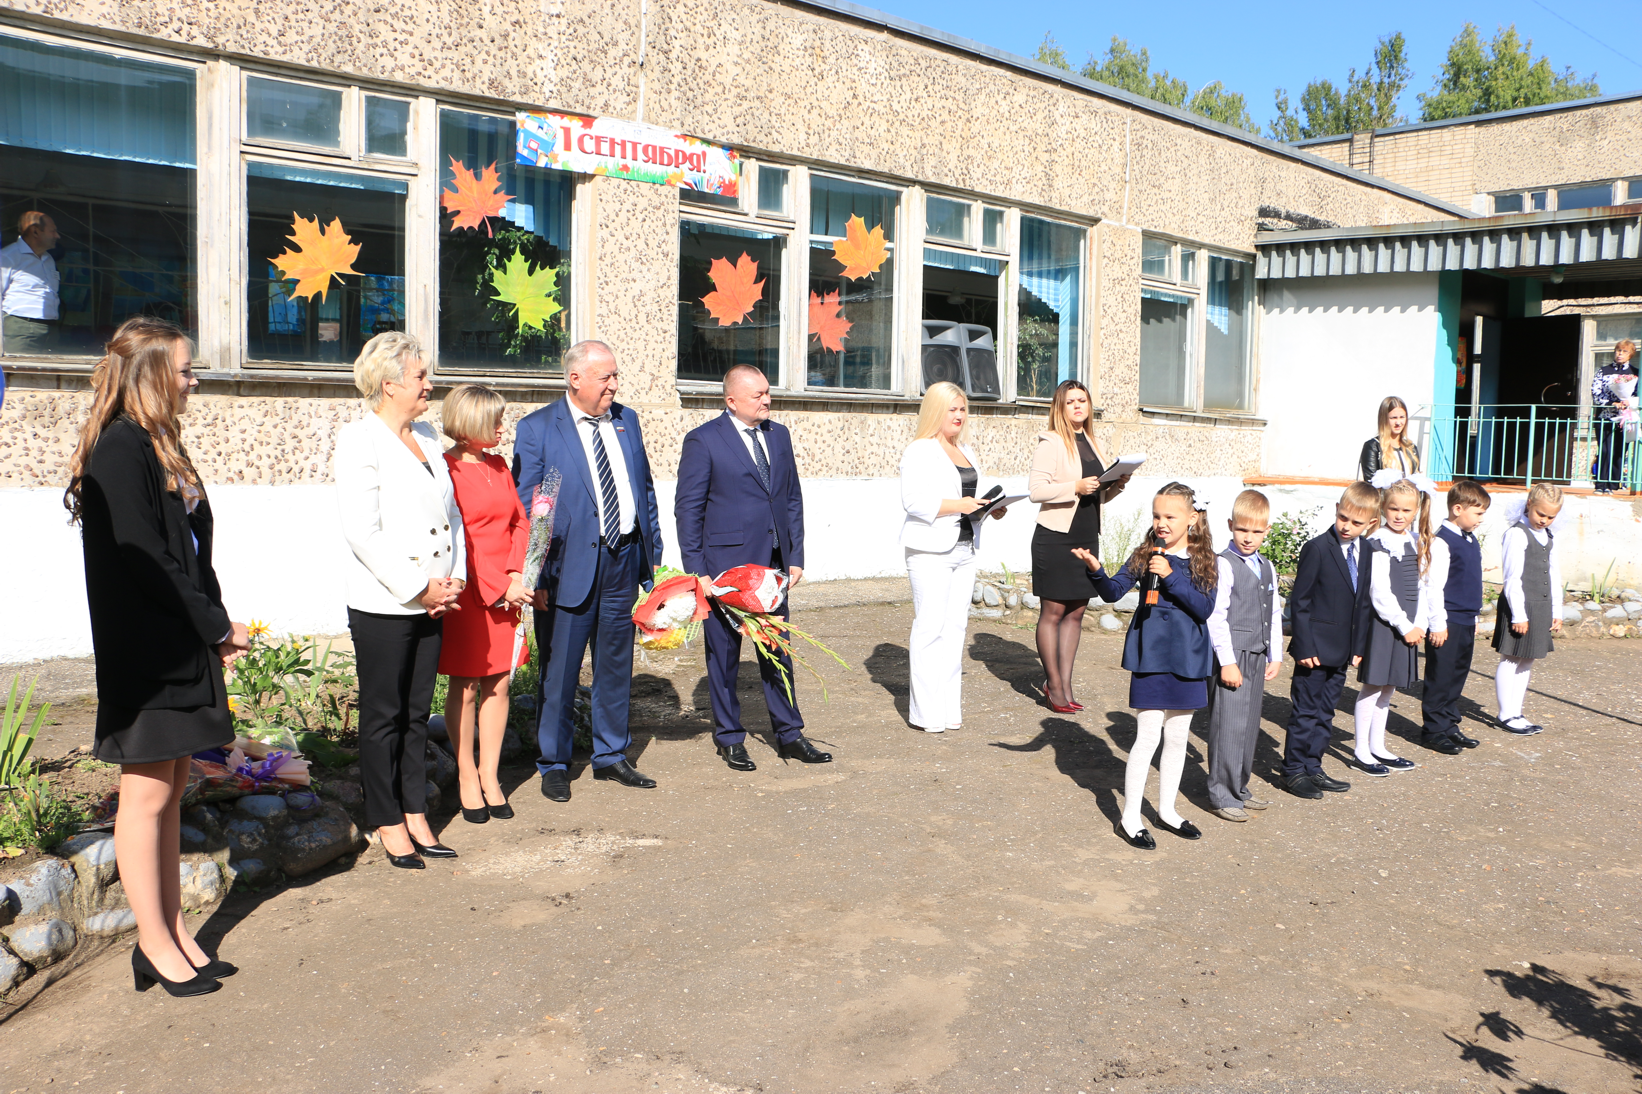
{"points": [[1392, 617], [1168, 651]]}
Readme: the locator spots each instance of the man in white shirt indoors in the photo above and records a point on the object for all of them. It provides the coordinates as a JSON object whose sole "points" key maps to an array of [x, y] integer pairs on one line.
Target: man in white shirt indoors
{"points": [[28, 286]]}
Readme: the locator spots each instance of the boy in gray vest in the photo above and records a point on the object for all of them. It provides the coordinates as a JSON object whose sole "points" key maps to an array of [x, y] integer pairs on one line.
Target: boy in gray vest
{"points": [[1246, 631]]}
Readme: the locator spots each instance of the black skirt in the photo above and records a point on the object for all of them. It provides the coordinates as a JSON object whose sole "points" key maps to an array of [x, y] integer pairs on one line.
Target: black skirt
{"points": [[128, 736], [1056, 575]]}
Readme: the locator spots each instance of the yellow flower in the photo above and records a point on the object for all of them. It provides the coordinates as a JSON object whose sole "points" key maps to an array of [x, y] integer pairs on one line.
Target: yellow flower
{"points": [[258, 628], [233, 704]]}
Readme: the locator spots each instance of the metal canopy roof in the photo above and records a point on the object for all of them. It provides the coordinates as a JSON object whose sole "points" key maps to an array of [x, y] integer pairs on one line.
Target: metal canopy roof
{"points": [[1518, 243]]}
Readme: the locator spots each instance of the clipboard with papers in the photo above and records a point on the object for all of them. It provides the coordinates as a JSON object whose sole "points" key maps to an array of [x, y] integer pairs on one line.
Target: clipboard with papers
{"points": [[1126, 465], [996, 499]]}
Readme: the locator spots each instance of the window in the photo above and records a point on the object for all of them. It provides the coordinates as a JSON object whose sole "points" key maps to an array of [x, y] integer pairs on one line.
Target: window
{"points": [[1633, 190], [1584, 197], [992, 230], [104, 146], [729, 308], [504, 278], [278, 110], [852, 277], [1194, 329], [961, 298], [1155, 256], [387, 123], [708, 199], [1616, 328], [321, 316], [1048, 307], [772, 190], [946, 219], [1508, 203]]}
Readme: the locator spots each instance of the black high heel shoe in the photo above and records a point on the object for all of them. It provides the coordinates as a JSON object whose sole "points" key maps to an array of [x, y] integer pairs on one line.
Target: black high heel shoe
{"points": [[437, 850], [144, 976], [500, 812], [215, 969], [475, 816]]}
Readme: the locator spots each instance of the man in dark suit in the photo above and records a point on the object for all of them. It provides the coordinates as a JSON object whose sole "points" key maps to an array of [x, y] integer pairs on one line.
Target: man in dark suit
{"points": [[1324, 600], [606, 542], [738, 503]]}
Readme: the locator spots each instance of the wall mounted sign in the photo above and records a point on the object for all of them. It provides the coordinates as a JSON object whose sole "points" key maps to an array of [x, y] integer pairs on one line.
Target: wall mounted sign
{"points": [[628, 150]]}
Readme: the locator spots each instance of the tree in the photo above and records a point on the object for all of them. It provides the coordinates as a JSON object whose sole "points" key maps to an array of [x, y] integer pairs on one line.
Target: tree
{"points": [[1131, 70], [1502, 76], [1050, 53], [1368, 102], [1213, 101]]}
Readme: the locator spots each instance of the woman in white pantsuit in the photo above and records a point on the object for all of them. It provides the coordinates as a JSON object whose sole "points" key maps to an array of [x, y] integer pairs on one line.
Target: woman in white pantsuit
{"points": [[939, 485]]}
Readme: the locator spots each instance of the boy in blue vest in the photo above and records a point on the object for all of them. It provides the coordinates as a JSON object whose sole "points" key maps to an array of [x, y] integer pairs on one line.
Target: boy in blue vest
{"points": [[1454, 577]]}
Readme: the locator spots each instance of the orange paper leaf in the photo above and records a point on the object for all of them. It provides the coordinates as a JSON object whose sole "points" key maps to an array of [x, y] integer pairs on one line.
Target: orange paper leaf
{"points": [[860, 251], [320, 255], [827, 321], [735, 291], [475, 197]]}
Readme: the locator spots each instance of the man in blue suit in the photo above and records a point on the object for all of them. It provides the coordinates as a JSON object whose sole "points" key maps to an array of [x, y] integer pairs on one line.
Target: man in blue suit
{"points": [[739, 503], [606, 542]]}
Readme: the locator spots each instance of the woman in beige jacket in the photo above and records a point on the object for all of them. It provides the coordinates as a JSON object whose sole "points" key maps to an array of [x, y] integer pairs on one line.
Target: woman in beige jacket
{"points": [[1065, 482]]}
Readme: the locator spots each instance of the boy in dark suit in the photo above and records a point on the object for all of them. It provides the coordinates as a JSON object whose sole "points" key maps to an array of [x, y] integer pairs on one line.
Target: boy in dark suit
{"points": [[1325, 601]]}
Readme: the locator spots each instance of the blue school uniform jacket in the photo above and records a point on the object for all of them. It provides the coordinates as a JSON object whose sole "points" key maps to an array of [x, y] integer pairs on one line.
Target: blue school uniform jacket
{"points": [[1171, 635]]}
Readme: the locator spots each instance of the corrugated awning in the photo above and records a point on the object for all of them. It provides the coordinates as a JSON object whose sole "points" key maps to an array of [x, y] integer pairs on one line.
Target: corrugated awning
{"points": [[1511, 243]]}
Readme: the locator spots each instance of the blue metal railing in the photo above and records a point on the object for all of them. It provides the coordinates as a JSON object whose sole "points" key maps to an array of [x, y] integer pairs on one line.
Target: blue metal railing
{"points": [[1523, 443]]}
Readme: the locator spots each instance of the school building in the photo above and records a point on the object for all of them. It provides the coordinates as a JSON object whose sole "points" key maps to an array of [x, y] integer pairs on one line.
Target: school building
{"points": [[853, 203]]}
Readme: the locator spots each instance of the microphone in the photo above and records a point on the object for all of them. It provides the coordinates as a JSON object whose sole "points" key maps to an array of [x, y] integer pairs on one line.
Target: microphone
{"points": [[1148, 584]]}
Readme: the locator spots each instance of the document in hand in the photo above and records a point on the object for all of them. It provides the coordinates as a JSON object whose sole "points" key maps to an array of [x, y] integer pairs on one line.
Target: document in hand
{"points": [[1125, 465], [1001, 502]]}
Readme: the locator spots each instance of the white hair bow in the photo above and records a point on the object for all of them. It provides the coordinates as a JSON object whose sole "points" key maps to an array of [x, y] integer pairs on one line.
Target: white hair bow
{"points": [[1200, 506], [1385, 476]]}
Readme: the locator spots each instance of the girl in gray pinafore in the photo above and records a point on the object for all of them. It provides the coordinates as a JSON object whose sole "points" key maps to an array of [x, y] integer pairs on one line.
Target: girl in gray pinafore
{"points": [[1391, 619], [1533, 593]]}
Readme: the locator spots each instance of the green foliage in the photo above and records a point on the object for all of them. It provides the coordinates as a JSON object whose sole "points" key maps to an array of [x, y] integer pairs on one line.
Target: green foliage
{"points": [[1131, 70], [1603, 589], [292, 684], [1214, 102], [35, 817], [1503, 75], [15, 741], [1050, 53], [1288, 534], [1369, 100], [1118, 538]]}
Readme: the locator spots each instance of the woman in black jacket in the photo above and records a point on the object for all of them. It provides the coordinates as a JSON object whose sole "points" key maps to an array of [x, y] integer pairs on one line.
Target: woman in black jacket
{"points": [[1390, 446], [158, 628]]}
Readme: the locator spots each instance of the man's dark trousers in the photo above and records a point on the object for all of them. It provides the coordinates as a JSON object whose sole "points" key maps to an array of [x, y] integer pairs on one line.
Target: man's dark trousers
{"points": [[723, 666], [1446, 669], [604, 621], [1315, 693]]}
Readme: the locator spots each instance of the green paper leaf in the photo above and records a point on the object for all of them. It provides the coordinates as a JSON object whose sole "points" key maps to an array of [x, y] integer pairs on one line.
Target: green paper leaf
{"points": [[530, 293]]}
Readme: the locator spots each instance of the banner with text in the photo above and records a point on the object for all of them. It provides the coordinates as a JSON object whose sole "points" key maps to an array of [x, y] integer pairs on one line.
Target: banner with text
{"points": [[627, 150]]}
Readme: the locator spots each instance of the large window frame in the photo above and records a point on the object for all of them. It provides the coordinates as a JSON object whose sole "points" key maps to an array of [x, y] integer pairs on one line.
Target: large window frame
{"points": [[1623, 190], [1178, 271]]}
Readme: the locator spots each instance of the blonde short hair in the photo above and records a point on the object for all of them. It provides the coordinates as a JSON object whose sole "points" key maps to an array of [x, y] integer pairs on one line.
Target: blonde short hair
{"points": [[1548, 494], [471, 413], [932, 411], [1361, 500], [1251, 505], [383, 358]]}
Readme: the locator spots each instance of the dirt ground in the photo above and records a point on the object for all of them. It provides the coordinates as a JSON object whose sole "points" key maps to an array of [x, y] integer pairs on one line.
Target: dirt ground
{"points": [[941, 915]]}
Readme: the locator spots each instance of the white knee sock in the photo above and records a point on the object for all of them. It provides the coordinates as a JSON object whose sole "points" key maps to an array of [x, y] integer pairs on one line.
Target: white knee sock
{"points": [[1372, 713], [1148, 731], [1170, 766], [1511, 686]]}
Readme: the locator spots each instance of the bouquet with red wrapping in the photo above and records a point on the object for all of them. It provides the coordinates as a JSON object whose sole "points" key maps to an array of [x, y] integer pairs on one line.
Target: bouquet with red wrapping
{"points": [[671, 612]]}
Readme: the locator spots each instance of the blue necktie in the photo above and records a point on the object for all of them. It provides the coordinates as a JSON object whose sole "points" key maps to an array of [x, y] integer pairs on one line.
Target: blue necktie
{"points": [[607, 488], [1351, 563], [760, 459]]}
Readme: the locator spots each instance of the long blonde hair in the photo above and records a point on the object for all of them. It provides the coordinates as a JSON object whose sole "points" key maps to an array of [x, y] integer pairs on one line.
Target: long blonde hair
{"points": [[1060, 423], [932, 411], [136, 378], [1205, 571], [1410, 454]]}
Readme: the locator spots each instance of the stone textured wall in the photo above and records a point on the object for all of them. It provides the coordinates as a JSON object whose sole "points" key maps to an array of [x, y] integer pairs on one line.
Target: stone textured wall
{"points": [[1555, 148]]}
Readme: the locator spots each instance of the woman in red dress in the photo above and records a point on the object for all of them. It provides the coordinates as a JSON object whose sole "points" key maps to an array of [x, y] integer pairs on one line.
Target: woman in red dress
{"points": [[479, 645]]}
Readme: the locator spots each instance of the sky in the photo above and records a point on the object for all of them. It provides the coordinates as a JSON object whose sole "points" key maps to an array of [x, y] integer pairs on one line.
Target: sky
{"points": [[1284, 43]]}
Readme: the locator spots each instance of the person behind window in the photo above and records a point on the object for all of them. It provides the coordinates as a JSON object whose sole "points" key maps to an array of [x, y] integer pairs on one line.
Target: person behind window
{"points": [[1614, 397], [405, 570], [482, 643], [28, 287], [1391, 447], [158, 628]]}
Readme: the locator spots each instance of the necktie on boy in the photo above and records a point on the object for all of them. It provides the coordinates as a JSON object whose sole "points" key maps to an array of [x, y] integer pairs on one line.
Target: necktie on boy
{"points": [[760, 459], [607, 487], [1351, 563]]}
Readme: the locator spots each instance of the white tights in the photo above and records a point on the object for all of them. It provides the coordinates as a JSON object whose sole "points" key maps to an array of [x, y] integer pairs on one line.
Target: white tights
{"points": [[1511, 685], [1373, 708], [1172, 727]]}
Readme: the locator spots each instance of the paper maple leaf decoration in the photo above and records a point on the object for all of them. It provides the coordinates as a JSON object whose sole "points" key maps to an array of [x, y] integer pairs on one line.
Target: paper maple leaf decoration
{"points": [[860, 251], [530, 293], [734, 290], [827, 321], [319, 256], [475, 197]]}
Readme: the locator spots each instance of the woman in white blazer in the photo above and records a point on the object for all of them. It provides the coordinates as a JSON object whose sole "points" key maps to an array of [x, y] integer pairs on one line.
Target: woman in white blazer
{"points": [[400, 520], [940, 478]]}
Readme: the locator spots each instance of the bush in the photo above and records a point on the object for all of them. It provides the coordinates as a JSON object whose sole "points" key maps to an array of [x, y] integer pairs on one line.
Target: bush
{"points": [[292, 684], [1118, 538], [35, 817], [1288, 534]]}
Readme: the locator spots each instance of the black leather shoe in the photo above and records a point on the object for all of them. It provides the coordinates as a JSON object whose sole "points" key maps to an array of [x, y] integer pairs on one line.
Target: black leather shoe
{"points": [[1333, 786], [1302, 786], [556, 786], [625, 773], [736, 756], [500, 812], [412, 861], [144, 976], [215, 969], [801, 749], [1463, 741], [1444, 744], [1141, 839], [1187, 829], [435, 850], [475, 816]]}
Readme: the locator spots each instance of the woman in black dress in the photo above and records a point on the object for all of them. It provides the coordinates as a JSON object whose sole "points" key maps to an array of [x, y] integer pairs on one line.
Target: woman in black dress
{"points": [[158, 628], [1065, 482]]}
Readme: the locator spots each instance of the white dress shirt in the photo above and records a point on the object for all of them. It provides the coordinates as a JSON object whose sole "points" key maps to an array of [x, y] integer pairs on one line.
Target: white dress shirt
{"points": [[747, 440], [1513, 549], [1383, 596], [28, 282], [1220, 636], [618, 464]]}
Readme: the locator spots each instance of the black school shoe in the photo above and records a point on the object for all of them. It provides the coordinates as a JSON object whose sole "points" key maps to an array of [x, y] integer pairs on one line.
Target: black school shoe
{"points": [[1441, 742], [1463, 741], [1520, 726]]}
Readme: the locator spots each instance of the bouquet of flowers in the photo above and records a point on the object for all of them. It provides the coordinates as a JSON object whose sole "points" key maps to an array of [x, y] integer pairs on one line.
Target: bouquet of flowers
{"points": [[670, 614], [544, 499]]}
